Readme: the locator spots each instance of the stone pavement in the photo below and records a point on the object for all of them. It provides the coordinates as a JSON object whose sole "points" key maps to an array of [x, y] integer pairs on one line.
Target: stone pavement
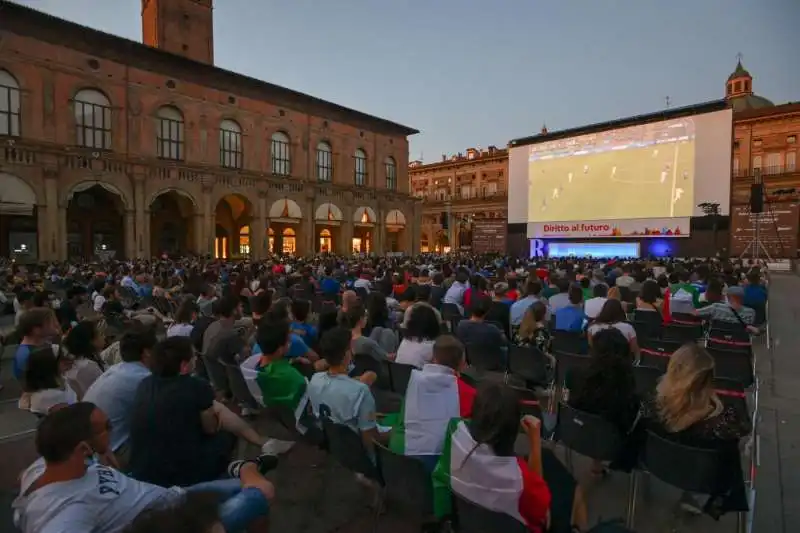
{"points": [[316, 496]]}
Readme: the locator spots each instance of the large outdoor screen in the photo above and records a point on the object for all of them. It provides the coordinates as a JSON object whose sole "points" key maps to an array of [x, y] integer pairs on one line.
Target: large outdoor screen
{"points": [[644, 179]]}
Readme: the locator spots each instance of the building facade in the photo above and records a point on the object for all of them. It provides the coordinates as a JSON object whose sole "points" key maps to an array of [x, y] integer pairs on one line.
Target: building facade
{"points": [[765, 145], [457, 193], [765, 150], [110, 146]]}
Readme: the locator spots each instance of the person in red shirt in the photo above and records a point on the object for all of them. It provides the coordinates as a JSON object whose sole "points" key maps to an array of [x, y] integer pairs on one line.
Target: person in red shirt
{"points": [[512, 294], [478, 286]]}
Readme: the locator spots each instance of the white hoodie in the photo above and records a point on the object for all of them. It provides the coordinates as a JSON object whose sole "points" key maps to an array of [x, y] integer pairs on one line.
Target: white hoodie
{"points": [[104, 500]]}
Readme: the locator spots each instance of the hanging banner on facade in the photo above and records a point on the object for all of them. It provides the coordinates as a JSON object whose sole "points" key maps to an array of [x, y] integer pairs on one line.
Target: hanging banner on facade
{"points": [[489, 236], [623, 228], [777, 230]]}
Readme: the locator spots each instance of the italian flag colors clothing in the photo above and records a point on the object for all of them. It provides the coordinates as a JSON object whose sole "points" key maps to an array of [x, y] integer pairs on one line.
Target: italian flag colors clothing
{"points": [[435, 395], [501, 484]]}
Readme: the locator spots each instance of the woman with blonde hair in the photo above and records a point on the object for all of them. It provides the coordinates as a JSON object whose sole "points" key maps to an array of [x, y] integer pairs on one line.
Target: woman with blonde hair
{"points": [[688, 410]]}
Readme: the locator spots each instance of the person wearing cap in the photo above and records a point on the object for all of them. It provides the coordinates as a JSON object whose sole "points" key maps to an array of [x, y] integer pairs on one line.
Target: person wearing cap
{"points": [[732, 311]]}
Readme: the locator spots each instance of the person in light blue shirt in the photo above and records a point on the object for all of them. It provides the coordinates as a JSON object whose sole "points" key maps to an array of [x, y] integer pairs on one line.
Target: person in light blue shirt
{"points": [[114, 391], [572, 317], [344, 399], [455, 294], [533, 290]]}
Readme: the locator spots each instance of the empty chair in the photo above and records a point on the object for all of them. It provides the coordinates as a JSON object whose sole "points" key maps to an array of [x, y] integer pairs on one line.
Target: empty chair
{"points": [[570, 342], [728, 336], [528, 363], [399, 375], [529, 403], [408, 485], [733, 364], [472, 518]]}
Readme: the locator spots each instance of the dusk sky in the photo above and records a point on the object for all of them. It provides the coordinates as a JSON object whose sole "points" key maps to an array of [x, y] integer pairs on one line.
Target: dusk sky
{"points": [[474, 73]]}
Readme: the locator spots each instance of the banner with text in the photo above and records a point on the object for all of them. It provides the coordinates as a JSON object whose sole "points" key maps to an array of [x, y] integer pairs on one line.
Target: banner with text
{"points": [[582, 229], [489, 236], [777, 230]]}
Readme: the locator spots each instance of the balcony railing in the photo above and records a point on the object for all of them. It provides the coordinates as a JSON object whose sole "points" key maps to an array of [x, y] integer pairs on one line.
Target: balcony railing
{"points": [[461, 197], [776, 170]]}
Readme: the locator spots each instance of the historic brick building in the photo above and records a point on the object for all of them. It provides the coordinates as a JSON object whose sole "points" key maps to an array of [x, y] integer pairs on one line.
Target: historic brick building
{"points": [[458, 191], [765, 150], [475, 184], [112, 145]]}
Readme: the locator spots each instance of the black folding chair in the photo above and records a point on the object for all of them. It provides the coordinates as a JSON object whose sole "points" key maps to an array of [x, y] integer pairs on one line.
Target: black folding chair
{"points": [[682, 333], [570, 342], [241, 393], [399, 376], [347, 447], [656, 352], [588, 434], [732, 394], [486, 357], [646, 378], [684, 467], [646, 330], [217, 374], [407, 485], [569, 368], [365, 362], [735, 365], [687, 319], [528, 363], [472, 518]]}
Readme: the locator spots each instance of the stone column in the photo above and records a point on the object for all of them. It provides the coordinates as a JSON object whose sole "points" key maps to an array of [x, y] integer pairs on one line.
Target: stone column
{"points": [[208, 220], [141, 245], [258, 229], [416, 227], [131, 246], [62, 233], [378, 237], [49, 224], [199, 233]]}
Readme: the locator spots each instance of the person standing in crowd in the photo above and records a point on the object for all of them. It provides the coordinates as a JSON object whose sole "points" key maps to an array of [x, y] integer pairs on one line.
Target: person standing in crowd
{"points": [[37, 327]]}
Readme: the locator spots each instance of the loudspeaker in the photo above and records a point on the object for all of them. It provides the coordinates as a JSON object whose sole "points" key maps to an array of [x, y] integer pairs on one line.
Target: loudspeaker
{"points": [[757, 198]]}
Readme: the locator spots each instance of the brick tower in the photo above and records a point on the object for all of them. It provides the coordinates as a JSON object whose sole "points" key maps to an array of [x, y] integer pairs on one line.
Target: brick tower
{"points": [[181, 27]]}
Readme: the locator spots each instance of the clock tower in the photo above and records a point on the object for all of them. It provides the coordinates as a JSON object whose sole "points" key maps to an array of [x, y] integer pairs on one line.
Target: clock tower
{"points": [[180, 27]]}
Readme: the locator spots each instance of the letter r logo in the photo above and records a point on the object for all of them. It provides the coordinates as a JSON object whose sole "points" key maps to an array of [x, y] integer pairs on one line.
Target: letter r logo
{"points": [[537, 248]]}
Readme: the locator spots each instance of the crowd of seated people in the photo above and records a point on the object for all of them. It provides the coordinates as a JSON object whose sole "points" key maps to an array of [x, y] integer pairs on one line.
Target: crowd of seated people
{"points": [[166, 425]]}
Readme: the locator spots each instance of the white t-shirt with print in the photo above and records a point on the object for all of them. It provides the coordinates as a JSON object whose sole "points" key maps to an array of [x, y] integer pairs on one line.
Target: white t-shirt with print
{"points": [[104, 500]]}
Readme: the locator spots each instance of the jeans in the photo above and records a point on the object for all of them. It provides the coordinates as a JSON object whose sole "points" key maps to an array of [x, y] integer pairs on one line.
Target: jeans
{"points": [[240, 506]]}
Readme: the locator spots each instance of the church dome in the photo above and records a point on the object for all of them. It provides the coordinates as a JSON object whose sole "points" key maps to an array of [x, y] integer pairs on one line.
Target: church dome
{"points": [[739, 91]]}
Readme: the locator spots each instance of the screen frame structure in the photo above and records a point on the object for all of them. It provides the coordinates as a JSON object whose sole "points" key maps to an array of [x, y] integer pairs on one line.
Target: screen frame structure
{"points": [[519, 150]]}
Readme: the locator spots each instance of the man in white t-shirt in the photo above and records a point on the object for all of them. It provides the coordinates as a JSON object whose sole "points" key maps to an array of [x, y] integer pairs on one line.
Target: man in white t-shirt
{"points": [[67, 491], [594, 305]]}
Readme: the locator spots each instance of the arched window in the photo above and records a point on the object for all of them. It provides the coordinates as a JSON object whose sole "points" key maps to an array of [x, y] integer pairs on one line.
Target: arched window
{"points": [[93, 119], [9, 104], [244, 240], [360, 168], [281, 154], [324, 162], [230, 144], [289, 241], [169, 140], [391, 173]]}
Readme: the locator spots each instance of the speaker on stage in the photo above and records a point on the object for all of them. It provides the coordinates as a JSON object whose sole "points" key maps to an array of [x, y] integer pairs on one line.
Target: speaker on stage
{"points": [[757, 198]]}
